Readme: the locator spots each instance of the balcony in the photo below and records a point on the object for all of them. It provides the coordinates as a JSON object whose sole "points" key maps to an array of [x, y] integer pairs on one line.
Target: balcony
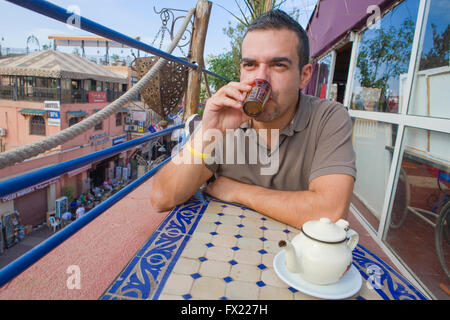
{"points": [[38, 94]]}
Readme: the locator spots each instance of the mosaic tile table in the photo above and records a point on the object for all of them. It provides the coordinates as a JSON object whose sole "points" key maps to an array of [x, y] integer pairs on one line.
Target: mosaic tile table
{"points": [[208, 249]]}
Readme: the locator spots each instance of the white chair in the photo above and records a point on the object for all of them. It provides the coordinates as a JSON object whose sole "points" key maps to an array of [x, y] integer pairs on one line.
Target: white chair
{"points": [[55, 224]]}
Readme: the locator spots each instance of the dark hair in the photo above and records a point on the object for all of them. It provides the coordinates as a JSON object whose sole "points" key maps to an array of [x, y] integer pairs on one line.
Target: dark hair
{"points": [[278, 19]]}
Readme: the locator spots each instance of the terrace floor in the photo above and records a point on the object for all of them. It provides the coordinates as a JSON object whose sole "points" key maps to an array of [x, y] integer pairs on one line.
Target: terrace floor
{"points": [[103, 249]]}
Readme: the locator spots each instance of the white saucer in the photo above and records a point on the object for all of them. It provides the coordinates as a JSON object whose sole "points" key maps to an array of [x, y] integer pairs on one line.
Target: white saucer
{"points": [[349, 285]]}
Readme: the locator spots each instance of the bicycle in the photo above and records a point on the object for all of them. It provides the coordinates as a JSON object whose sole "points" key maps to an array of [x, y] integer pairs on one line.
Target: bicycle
{"points": [[439, 211]]}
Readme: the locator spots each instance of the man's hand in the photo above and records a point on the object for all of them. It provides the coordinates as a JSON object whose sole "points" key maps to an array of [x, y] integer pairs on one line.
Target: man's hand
{"points": [[224, 189], [224, 109], [179, 179]]}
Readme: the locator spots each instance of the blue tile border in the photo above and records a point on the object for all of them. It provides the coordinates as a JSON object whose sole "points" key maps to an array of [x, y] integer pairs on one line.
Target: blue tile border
{"points": [[146, 274], [383, 279]]}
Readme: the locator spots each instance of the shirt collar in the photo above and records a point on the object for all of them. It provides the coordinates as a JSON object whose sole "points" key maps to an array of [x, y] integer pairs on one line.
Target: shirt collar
{"points": [[301, 117]]}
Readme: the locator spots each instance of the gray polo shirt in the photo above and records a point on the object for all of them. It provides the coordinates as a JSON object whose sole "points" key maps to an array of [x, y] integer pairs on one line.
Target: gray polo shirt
{"points": [[317, 142]]}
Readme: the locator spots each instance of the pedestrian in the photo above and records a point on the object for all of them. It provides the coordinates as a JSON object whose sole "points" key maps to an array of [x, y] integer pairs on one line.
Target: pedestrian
{"points": [[80, 211]]}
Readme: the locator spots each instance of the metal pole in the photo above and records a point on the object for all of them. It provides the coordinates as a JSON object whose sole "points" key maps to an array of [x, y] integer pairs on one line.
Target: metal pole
{"points": [[19, 265]]}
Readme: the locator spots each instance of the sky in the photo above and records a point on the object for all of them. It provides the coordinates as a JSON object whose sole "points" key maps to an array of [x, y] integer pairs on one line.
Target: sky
{"points": [[130, 17]]}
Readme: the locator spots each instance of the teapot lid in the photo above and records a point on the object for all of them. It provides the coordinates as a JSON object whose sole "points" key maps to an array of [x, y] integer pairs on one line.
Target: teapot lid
{"points": [[324, 230]]}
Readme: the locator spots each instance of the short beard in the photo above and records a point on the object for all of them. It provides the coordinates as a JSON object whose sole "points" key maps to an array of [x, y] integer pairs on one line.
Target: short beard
{"points": [[265, 117]]}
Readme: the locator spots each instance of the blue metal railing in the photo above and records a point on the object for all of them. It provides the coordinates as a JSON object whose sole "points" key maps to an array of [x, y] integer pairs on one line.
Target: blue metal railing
{"points": [[53, 11], [35, 177], [18, 183], [21, 182]]}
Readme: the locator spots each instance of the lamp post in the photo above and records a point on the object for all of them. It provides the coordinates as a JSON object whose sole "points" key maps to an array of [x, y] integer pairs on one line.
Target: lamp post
{"points": [[1, 42]]}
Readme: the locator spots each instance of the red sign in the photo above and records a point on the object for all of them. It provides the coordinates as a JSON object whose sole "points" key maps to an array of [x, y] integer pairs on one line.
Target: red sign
{"points": [[97, 96]]}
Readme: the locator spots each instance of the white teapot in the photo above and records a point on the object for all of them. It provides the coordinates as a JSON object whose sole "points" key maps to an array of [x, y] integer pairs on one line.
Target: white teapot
{"points": [[321, 253]]}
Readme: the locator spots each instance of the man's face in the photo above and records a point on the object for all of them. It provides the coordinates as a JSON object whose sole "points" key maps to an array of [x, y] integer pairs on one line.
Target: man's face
{"points": [[272, 55]]}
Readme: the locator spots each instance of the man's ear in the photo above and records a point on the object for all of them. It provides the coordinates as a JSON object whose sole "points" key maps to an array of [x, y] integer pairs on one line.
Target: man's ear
{"points": [[305, 75]]}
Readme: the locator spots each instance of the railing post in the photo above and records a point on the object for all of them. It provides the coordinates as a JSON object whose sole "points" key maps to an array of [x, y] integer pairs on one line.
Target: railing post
{"points": [[202, 12]]}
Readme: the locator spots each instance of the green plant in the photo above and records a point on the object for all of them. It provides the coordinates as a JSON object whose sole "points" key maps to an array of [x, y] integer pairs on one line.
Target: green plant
{"points": [[69, 192], [255, 8]]}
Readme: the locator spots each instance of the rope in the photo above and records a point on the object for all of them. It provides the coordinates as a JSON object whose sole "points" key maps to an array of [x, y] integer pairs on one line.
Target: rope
{"points": [[33, 149]]}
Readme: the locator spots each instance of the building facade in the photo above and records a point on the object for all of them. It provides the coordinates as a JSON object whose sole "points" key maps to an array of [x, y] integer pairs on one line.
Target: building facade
{"points": [[42, 94]]}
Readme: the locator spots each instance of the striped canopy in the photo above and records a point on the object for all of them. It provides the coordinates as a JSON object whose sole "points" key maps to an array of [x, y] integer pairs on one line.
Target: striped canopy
{"points": [[77, 114]]}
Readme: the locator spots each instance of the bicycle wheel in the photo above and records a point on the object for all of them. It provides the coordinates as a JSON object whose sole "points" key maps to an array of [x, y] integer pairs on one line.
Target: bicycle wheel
{"points": [[441, 236], [401, 201]]}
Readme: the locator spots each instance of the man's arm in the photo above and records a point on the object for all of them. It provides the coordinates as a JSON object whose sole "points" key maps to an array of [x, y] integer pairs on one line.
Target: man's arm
{"points": [[180, 178], [328, 196]]}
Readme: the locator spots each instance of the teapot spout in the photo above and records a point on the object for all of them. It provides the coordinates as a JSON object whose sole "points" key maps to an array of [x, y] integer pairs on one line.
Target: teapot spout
{"points": [[292, 262]]}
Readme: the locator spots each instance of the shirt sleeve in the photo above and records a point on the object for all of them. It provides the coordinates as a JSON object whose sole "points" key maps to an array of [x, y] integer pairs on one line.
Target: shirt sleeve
{"points": [[193, 125], [334, 149]]}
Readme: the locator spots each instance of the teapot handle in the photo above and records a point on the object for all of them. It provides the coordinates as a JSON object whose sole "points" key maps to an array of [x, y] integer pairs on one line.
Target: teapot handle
{"points": [[353, 238]]}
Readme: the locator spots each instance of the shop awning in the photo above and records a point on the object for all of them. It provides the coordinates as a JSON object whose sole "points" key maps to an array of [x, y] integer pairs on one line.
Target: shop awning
{"points": [[77, 114], [333, 19], [33, 112]]}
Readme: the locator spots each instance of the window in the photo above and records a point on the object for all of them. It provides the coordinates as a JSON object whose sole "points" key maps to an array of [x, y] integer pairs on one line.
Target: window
{"points": [[118, 119], [323, 77], [430, 93], [99, 126], [383, 60], [73, 120], [422, 191], [5, 80], [37, 126], [76, 84], [373, 142]]}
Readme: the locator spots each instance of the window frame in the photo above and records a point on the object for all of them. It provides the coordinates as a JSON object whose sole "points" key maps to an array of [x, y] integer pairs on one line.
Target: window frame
{"points": [[42, 131]]}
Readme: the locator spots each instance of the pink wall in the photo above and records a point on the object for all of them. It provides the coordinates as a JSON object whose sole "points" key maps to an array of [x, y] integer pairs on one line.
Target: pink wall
{"points": [[17, 127], [109, 125]]}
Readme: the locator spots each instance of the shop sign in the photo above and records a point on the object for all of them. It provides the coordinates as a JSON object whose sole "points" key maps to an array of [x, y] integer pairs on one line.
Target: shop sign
{"points": [[140, 116], [119, 140], [99, 136], [28, 190], [96, 96], [94, 143], [54, 114]]}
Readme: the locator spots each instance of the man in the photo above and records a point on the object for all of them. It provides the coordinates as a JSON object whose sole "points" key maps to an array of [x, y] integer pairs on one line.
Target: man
{"points": [[80, 211], [66, 218], [74, 205], [316, 168], [83, 198]]}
